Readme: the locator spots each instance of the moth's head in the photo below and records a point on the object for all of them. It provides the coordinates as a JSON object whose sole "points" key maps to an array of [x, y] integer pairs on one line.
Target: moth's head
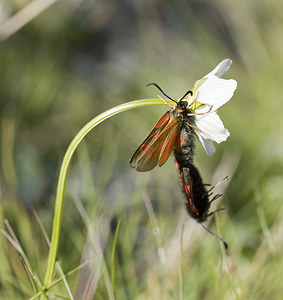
{"points": [[183, 104]]}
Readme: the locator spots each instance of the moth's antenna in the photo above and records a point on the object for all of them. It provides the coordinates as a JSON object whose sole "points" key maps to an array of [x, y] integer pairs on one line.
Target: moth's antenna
{"points": [[219, 238], [160, 89], [187, 93]]}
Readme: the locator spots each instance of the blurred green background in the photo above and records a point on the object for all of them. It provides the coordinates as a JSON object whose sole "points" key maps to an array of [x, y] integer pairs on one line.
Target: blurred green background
{"points": [[76, 59]]}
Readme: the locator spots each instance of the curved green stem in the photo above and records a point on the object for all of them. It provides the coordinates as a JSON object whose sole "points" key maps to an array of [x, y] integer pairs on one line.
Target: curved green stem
{"points": [[63, 173]]}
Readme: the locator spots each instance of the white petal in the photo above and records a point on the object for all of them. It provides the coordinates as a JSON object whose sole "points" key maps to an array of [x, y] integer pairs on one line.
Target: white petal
{"points": [[221, 68], [211, 127], [216, 91], [207, 144]]}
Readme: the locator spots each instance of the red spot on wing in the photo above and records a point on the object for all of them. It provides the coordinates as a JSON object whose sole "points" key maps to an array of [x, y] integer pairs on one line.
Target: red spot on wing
{"points": [[188, 190], [164, 119], [143, 148], [192, 207], [155, 134], [169, 143]]}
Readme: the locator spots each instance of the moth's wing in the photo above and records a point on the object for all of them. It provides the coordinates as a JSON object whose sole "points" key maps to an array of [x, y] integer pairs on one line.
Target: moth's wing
{"points": [[149, 159], [147, 155], [187, 182], [168, 145], [154, 133], [136, 159]]}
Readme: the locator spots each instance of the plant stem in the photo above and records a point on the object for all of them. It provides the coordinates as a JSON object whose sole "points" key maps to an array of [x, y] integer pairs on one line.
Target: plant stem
{"points": [[63, 174]]}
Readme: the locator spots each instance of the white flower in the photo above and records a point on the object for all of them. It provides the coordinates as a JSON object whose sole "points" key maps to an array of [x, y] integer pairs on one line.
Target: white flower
{"points": [[209, 93]]}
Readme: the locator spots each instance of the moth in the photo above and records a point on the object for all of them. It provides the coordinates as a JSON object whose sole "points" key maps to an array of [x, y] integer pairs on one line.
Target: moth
{"points": [[174, 132]]}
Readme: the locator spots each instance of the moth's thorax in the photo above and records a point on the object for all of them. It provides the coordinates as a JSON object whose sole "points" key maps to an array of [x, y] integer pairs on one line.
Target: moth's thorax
{"points": [[182, 113]]}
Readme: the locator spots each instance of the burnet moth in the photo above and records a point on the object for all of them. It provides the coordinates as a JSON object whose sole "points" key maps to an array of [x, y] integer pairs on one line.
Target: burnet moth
{"points": [[174, 133]]}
